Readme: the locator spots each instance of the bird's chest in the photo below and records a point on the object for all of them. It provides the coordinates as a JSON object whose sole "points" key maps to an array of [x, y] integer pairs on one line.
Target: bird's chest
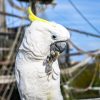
{"points": [[50, 71]]}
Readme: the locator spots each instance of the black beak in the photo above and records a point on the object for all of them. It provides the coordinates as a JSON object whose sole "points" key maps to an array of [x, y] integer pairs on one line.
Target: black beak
{"points": [[62, 46], [59, 46]]}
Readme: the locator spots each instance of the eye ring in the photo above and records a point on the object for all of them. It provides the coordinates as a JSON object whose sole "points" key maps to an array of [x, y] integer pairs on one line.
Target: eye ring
{"points": [[54, 37]]}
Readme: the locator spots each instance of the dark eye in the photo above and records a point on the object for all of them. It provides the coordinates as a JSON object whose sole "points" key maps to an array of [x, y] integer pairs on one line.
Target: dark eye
{"points": [[54, 37]]}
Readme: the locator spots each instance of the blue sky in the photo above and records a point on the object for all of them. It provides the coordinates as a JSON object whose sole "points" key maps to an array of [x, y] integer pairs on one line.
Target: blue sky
{"points": [[66, 15], [12, 21]]}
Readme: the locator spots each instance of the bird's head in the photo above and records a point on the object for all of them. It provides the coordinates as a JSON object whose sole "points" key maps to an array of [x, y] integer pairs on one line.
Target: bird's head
{"points": [[47, 36]]}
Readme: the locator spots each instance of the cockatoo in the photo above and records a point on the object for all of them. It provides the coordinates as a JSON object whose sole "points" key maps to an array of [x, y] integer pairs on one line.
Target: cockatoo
{"points": [[36, 67]]}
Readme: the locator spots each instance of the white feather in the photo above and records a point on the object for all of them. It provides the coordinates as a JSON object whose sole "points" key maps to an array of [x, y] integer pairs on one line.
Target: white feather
{"points": [[32, 79]]}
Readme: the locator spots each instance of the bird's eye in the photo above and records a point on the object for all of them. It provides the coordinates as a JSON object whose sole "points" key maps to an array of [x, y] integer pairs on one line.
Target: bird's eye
{"points": [[54, 37]]}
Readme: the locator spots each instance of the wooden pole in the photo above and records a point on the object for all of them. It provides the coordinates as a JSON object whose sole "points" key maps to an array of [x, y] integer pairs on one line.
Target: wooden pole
{"points": [[2, 18]]}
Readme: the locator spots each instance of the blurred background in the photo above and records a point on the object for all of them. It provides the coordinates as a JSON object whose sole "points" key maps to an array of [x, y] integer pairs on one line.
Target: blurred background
{"points": [[79, 64]]}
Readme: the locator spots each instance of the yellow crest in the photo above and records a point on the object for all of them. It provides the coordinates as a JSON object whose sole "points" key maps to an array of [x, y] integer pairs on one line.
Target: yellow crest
{"points": [[32, 17]]}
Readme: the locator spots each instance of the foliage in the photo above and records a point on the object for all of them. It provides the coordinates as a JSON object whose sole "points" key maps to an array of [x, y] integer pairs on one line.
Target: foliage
{"points": [[89, 77]]}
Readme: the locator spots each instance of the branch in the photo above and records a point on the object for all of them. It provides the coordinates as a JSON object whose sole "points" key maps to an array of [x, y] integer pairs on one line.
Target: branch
{"points": [[79, 65], [4, 49], [76, 67], [10, 55], [79, 49], [5, 79], [83, 32], [12, 15], [16, 6], [75, 89], [6, 62], [80, 53]]}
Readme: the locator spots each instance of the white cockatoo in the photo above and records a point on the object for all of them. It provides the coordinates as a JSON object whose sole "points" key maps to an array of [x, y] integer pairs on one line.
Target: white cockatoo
{"points": [[36, 68]]}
